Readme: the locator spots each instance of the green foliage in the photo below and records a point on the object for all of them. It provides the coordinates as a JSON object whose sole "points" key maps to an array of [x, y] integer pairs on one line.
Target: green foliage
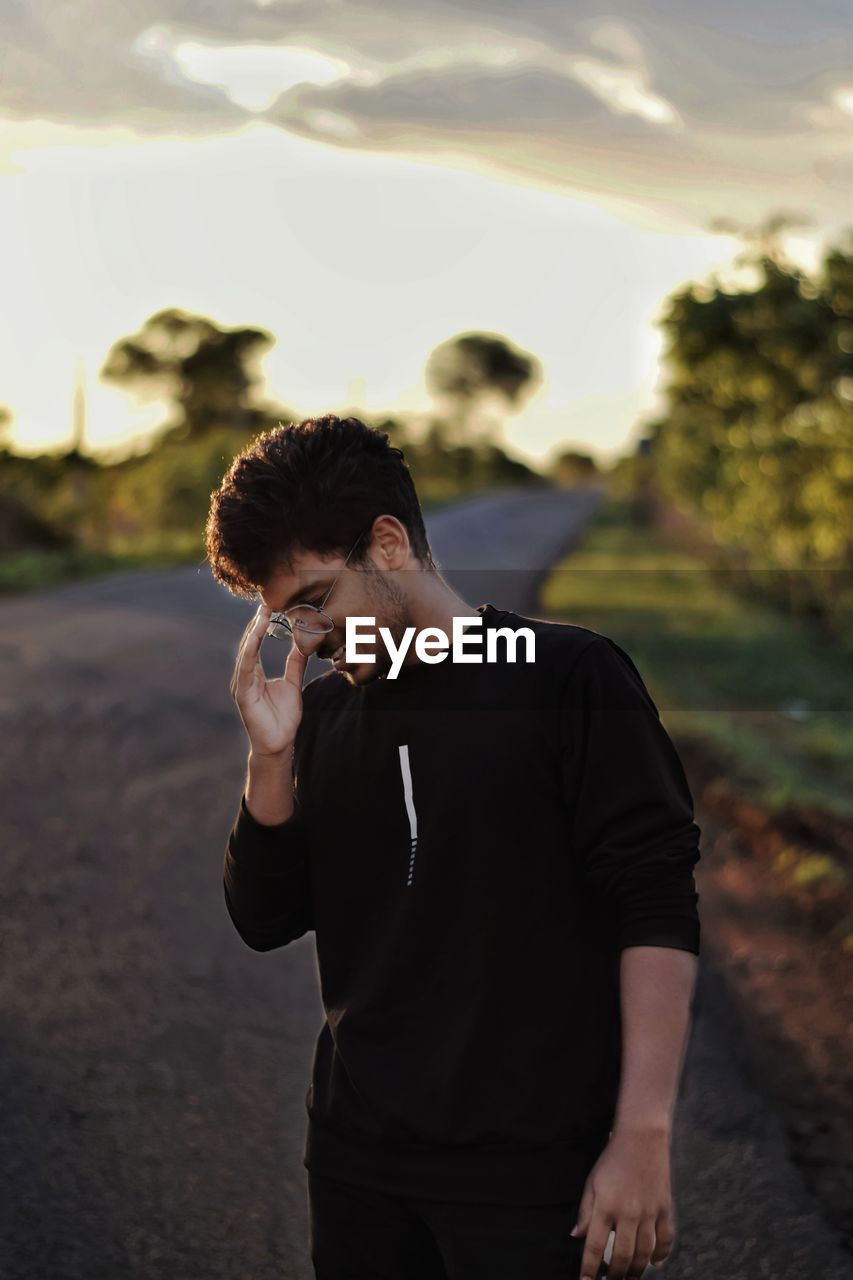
{"points": [[33, 570], [572, 467], [816, 868], [757, 436], [471, 371], [42, 499], [206, 374], [168, 489], [723, 668], [441, 469], [65, 513], [62, 516]]}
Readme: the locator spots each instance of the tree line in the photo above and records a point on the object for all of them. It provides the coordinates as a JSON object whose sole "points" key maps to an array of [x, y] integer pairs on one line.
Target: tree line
{"points": [[209, 381], [753, 450], [755, 445]]}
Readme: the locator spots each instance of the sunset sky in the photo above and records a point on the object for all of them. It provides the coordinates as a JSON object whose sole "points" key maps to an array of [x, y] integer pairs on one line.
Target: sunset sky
{"points": [[367, 180]]}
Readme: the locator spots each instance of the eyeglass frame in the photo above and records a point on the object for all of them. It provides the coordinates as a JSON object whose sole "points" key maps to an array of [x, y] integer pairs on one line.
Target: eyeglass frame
{"points": [[280, 619]]}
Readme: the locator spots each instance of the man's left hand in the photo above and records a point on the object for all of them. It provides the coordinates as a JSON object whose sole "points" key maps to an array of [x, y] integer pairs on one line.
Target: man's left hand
{"points": [[628, 1190]]}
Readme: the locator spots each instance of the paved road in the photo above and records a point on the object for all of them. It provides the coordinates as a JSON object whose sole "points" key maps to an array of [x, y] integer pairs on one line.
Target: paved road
{"points": [[153, 1069]]}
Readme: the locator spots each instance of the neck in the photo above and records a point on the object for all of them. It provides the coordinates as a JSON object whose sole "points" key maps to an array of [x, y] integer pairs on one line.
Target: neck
{"points": [[435, 604]]}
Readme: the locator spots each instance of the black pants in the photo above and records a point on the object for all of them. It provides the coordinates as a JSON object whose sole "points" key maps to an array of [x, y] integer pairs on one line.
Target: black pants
{"points": [[359, 1234]]}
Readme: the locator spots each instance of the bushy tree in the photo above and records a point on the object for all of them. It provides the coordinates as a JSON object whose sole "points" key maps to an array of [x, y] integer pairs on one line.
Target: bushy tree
{"points": [[476, 377], [206, 375], [758, 431]]}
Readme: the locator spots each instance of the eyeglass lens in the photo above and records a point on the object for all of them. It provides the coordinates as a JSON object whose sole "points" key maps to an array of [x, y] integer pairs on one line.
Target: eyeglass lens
{"points": [[306, 621]]}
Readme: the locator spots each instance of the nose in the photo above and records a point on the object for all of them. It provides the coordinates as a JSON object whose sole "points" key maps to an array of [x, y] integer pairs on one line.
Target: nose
{"points": [[309, 642]]}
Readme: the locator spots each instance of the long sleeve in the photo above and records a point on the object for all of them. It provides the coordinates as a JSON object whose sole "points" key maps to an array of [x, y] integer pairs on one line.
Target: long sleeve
{"points": [[632, 825], [266, 879]]}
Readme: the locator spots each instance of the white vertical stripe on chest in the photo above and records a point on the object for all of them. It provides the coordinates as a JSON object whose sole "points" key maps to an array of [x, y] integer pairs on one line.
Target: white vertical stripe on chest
{"points": [[406, 772]]}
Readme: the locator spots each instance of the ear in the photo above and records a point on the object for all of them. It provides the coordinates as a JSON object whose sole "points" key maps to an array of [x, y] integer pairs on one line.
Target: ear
{"points": [[391, 542]]}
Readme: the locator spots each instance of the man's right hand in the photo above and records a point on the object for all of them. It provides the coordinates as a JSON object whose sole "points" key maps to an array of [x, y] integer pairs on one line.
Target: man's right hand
{"points": [[271, 710]]}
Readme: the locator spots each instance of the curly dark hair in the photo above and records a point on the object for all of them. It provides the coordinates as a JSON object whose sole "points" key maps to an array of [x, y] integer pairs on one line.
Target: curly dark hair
{"points": [[311, 486]]}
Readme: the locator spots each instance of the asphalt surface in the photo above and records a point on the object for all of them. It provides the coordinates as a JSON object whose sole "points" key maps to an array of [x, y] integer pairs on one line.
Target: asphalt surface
{"points": [[153, 1069]]}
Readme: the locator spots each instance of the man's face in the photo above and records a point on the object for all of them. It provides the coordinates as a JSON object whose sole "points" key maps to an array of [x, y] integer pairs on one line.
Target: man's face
{"points": [[359, 591]]}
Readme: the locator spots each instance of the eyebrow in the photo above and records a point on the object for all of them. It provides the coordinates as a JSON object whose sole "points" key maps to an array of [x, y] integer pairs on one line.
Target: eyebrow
{"points": [[300, 595]]}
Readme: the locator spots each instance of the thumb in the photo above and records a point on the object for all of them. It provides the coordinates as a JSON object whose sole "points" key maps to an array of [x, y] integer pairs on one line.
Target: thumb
{"points": [[294, 667], [584, 1212]]}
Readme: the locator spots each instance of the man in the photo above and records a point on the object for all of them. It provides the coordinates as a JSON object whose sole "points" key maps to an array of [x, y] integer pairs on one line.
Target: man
{"points": [[497, 862]]}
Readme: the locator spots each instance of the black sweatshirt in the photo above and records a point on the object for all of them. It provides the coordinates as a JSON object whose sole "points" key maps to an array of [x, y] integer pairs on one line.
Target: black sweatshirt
{"points": [[473, 846]]}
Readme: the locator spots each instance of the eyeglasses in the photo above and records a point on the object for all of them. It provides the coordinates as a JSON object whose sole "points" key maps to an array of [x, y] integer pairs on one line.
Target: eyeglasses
{"points": [[307, 620]]}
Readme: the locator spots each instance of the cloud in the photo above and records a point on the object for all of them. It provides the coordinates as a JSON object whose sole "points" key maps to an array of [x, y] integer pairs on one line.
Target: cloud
{"points": [[584, 132], [686, 109], [254, 75], [84, 64]]}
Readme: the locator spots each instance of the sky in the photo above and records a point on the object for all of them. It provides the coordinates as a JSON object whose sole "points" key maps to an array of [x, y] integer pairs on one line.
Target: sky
{"points": [[366, 180]]}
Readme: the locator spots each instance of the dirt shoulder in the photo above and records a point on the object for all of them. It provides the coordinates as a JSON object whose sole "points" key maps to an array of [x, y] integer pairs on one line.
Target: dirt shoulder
{"points": [[783, 949]]}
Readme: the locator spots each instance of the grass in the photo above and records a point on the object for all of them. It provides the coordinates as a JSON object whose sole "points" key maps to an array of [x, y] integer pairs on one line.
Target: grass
{"points": [[26, 571], [774, 703]]}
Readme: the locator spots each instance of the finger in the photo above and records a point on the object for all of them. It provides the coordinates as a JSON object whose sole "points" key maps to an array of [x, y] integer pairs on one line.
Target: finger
{"points": [[584, 1211], [596, 1239], [257, 631], [244, 637], [247, 657], [623, 1248], [250, 626], [240, 649], [294, 667], [642, 1249], [664, 1237]]}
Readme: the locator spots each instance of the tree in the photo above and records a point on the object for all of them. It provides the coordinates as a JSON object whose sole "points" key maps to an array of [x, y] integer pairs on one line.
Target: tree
{"points": [[206, 375], [478, 376], [574, 467], [757, 434]]}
